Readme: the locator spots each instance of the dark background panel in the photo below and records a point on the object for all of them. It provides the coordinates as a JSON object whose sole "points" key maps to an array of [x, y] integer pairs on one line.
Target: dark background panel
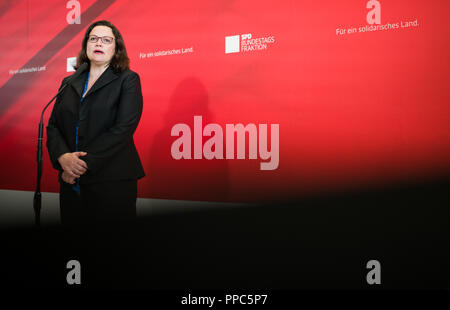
{"points": [[311, 242]]}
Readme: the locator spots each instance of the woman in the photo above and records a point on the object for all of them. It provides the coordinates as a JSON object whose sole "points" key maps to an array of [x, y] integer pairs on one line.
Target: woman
{"points": [[90, 133]]}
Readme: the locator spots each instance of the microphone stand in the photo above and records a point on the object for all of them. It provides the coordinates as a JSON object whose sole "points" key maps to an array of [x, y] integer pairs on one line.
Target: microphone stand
{"points": [[37, 201]]}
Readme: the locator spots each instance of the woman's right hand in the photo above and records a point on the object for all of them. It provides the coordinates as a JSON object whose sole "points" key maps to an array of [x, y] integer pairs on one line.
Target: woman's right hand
{"points": [[72, 164], [67, 178]]}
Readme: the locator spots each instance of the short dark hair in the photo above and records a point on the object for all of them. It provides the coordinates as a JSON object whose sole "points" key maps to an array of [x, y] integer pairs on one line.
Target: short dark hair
{"points": [[119, 61]]}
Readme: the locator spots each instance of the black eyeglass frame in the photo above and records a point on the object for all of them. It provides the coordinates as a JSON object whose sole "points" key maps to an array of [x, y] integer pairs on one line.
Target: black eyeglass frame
{"points": [[102, 38]]}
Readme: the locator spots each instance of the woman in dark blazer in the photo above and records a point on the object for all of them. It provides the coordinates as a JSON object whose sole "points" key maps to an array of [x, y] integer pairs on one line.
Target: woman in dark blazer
{"points": [[90, 133]]}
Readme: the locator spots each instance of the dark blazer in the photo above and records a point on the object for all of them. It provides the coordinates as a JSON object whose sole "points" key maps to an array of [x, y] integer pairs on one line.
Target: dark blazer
{"points": [[108, 117]]}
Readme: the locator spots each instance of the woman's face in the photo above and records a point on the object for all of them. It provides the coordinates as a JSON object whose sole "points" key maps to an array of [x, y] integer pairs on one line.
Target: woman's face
{"points": [[101, 52]]}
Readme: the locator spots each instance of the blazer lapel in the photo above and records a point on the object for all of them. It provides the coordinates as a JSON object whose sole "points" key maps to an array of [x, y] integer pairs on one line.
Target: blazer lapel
{"points": [[78, 84], [107, 77]]}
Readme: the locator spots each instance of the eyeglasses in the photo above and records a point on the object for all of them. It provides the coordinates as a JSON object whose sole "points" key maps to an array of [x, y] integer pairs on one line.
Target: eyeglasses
{"points": [[106, 40]]}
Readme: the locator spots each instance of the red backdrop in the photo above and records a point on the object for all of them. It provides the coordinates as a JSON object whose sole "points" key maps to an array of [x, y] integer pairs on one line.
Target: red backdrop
{"points": [[354, 109]]}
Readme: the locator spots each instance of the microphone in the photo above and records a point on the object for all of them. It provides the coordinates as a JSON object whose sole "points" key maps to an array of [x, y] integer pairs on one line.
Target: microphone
{"points": [[77, 73], [37, 200]]}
